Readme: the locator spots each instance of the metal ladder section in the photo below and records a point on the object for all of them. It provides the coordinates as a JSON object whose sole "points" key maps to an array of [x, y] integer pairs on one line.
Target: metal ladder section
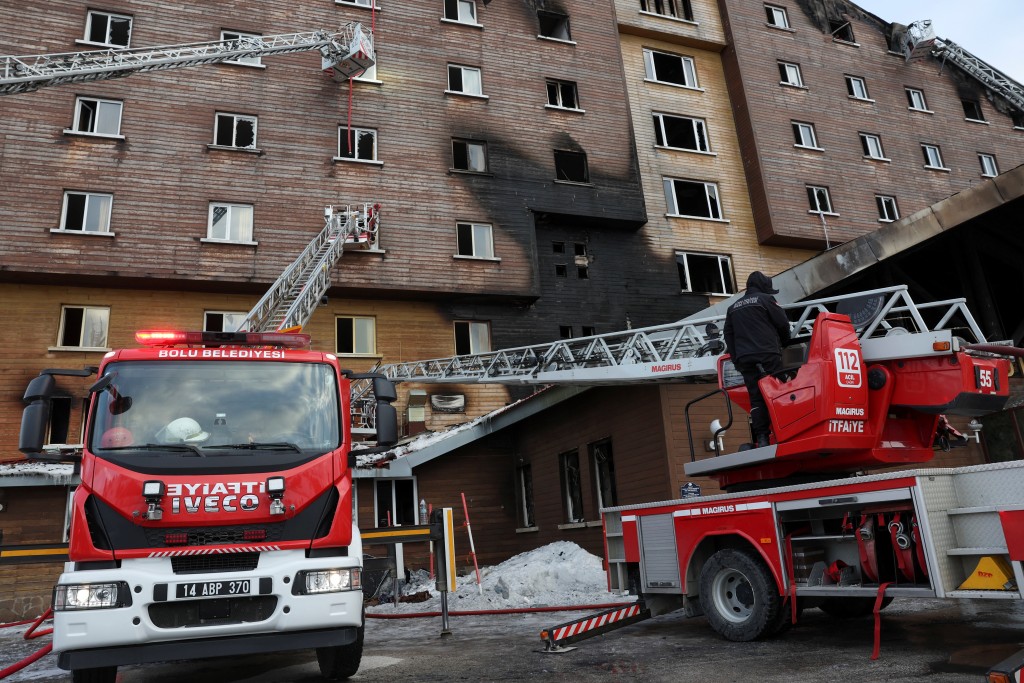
{"points": [[290, 302], [920, 39], [348, 50]]}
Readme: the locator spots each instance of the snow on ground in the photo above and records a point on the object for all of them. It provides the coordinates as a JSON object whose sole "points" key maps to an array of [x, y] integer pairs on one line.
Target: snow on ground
{"points": [[558, 574]]}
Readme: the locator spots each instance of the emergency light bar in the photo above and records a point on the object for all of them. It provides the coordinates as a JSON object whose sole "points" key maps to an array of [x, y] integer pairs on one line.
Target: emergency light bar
{"points": [[286, 340]]}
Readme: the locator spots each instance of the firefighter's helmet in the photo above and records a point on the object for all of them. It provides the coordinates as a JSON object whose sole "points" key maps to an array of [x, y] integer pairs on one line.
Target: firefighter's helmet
{"points": [[182, 430]]}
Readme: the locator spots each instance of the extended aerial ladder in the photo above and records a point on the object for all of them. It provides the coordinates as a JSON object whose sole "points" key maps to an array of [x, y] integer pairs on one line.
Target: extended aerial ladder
{"points": [[347, 52], [920, 40]]}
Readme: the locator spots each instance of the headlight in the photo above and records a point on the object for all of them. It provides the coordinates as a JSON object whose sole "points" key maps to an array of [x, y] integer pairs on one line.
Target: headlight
{"points": [[326, 581], [74, 596]]}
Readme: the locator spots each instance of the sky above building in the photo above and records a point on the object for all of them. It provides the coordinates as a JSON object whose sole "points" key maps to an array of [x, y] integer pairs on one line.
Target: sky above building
{"points": [[986, 28]]}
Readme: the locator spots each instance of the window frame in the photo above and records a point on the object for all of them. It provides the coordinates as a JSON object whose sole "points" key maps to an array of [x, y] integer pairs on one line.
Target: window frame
{"points": [[671, 9], [562, 24], [231, 208], [869, 142], [368, 4], [851, 88], [109, 15], [470, 143], [471, 230], [711, 192], [772, 12], [976, 104], [845, 27], [356, 133], [524, 497], [798, 128], [927, 147], [787, 69], [472, 325], [462, 70], [577, 155], [882, 203], [558, 90], [100, 102], [982, 158], [571, 487], [235, 119], [104, 227], [910, 93], [457, 5], [224, 314], [356, 338], [62, 327], [814, 205], [254, 61], [725, 271], [393, 503], [594, 450], [661, 134], [687, 65]]}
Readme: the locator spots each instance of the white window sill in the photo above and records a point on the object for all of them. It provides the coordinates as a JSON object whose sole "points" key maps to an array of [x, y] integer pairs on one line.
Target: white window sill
{"points": [[458, 93], [674, 85], [374, 250], [573, 182], [369, 81], [920, 111], [690, 291], [697, 218], [887, 220], [226, 148], [981, 121], [871, 158], [572, 525], [466, 171], [556, 40], [245, 64], [80, 349], [527, 529], [570, 110], [1018, 127], [110, 46], [95, 233], [988, 175], [808, 147], [349, 160], [938, 168], [798, 86], [678, 20], [595, 523], [85, 134], [445, 20], [840, 41], [780, 28], [340, 354], [467, 257], [860, 99], [376, 8], [822, 213], [211, 240], [684, 149]]}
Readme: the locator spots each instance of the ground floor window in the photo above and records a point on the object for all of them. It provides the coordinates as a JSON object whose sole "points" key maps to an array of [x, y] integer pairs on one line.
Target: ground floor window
{"points": [[395, 502], [572, 491]]}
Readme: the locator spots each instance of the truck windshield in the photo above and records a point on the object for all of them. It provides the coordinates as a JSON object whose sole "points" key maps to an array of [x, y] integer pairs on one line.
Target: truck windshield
{"points": [[214, 408]]}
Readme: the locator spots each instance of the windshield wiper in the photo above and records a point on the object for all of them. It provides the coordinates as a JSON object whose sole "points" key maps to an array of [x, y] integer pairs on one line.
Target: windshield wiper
{"points": [[159, 447], [269, 446]]}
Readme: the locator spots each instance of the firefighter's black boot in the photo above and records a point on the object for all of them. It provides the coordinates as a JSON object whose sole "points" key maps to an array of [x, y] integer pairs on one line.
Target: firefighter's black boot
{"points": [[762, 441]]}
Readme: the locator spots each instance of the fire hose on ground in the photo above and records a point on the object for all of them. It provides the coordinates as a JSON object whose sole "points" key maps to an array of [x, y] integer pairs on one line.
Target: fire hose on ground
{"points": [[29, 635], [488, 612]]}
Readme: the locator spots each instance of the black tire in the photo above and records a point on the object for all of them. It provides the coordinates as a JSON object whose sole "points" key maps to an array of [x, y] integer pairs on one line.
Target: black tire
{"points": [[106, 674], [851, 608], [342, 661], [739, 596]]}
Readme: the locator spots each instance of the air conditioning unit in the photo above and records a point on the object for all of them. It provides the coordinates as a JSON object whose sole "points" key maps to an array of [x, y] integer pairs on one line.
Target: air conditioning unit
{"points": [[448, 403]]}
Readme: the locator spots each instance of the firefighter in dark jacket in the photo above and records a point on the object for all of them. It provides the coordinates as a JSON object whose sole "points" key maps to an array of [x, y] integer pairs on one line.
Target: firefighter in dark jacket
{"points": [[755, 330]]}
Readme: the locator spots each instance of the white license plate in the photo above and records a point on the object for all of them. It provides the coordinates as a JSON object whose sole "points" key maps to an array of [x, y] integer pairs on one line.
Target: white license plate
{"points": [[210, 589]]}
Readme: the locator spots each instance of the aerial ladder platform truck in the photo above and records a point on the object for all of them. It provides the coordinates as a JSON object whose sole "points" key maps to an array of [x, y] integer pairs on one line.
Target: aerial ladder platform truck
{"points": [[214, 515]]}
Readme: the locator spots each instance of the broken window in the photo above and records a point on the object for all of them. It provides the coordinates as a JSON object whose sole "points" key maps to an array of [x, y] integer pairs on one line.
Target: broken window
{"points": [[588, 331], [561, 270], [462, 11], [469, 156], [972, 110], [355, 335], [789, 74], [804, 135], [665, 67], [572, 490], [932, 156], [988, 165], [86, 212], [83, 327], [915, 99], [819, 199], [59, 427], [705, 273], [562, 94], [395, 502], [841, 30], [856, 87], [246, 60], [359, 144], [472, 337], [97, 117], [692, 198], [582, 273], [565, 331], [558, 247], [105, 28], [680, 9], [235, 130], [872, 146], [571, 166], [223, 321], [554, 25], [362, 3], [887, 211], [474, 239], [777, 16], [604, 473], [524, 484], [680, 132], [230, 223], [464, 80]]}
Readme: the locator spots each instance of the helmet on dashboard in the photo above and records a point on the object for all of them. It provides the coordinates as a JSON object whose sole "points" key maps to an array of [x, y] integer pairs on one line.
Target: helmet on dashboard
{"points": [[182, 430]]}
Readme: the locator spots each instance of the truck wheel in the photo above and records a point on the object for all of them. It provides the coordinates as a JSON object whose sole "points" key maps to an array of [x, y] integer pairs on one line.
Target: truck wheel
{"points": [[106, 674], [738, 595], [342, 661], [851, 608]]}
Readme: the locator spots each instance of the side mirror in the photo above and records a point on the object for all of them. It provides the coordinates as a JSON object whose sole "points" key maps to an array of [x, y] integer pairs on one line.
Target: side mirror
{"points": [[387, 424], [384, 389], [36, 416]]}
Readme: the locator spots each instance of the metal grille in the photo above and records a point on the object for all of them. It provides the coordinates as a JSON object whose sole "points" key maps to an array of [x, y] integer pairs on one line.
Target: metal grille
{"points": [[660, 559], [219, 535], [230, 562], [186, 613]]}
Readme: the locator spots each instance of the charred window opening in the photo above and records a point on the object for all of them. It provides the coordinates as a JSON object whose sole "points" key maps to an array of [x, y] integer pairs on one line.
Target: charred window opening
{"points": [[572, 490], [562, 94], [59, 427], [469, 156], [571, 167], [669, 68], [554, 25], [604, 473], [818, 199], [472, 337], [705, 273], [223, 321], [680, 9], [357, 143], [565, 331], [589, 331], [561, 270], [558, 247], [233, 130], [105, 28], [692, 198], [582, 273], [680, 132], [841, 30], [972, 110], [524, 479]]}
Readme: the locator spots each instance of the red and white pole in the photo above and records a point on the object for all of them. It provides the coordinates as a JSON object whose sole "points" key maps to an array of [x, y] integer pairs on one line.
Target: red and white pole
{"points": [[472, 548]]}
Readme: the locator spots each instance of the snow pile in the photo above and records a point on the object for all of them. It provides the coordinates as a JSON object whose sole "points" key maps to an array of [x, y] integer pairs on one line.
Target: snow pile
{"points": [[558, 574]]}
